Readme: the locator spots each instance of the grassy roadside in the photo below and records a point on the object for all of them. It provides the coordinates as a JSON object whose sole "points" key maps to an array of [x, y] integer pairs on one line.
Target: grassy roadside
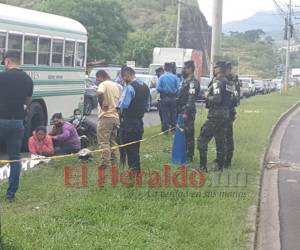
{"points": [[46, 215]]}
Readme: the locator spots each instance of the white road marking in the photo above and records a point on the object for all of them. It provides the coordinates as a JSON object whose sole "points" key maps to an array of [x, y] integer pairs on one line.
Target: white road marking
{"points": [[291, 181]]}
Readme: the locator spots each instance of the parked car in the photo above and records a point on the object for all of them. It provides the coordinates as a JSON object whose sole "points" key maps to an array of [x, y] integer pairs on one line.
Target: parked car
{"points": [[90, 97], [267, 86], [204, 82], [293, 81], [150, 81], [278, 83], [113, 72], [247, 86], [260, 87], [272, 86]]}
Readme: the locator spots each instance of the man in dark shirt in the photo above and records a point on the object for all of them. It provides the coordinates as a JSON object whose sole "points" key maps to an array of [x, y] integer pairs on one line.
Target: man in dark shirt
{"points": [[132, 104], [187, 96], [16, 89]]}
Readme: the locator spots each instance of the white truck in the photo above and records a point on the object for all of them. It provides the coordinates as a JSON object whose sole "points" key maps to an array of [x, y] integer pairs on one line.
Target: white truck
{"points": [[179, 56]]}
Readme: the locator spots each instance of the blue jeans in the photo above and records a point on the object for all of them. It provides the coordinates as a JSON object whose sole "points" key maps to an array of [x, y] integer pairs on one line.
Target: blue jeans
{"points": [[11, 134]]}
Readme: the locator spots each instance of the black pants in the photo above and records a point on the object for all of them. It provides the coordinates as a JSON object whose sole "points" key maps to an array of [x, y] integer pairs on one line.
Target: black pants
{"points": [[160, 114], [189, 130], [131, 131], [210, 129], [168, 107]]}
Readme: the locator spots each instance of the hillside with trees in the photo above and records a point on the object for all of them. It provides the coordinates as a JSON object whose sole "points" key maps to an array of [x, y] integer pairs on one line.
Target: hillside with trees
{"points": [[121, 30], [252, 53]]}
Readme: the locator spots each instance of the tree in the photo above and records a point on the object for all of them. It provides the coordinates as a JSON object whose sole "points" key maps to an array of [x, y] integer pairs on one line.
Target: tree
{"points": [[254, 56], [253, 35], [140, 44], [269, 39], [104, 20], [249, 35]]}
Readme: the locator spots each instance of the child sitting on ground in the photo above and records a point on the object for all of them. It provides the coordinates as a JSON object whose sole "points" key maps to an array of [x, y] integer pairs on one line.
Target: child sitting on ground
{"points": [[41, 143]]}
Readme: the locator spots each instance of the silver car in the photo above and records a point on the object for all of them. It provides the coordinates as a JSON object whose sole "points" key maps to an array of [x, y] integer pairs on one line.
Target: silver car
{"points": [[247, 86], [204, 82], [150, 81]]}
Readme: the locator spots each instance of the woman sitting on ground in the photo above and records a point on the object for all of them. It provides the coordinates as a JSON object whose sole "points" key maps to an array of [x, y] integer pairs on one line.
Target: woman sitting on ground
{"points": [[77, 118], [41, 143], [68, 140]]}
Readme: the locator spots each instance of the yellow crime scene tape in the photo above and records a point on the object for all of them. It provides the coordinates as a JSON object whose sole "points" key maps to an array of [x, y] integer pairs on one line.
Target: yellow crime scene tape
{"points": [[56, 157]]}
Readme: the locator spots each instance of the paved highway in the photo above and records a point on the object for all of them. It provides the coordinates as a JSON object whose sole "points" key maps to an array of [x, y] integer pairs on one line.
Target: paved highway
{"points": [[289, 187]]}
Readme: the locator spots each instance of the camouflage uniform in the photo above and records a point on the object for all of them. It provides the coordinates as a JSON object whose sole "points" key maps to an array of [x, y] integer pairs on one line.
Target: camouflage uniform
{"points": [[235, 99], [218, 104], [187, 97]]}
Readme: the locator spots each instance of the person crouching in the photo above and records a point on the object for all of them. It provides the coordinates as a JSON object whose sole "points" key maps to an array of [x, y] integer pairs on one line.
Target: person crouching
{"points": [[40, 143], [68, 140]]}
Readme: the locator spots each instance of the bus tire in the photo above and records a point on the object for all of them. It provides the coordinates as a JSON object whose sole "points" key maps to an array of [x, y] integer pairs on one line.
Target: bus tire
{"points": [[88, 106], [35, 117]]}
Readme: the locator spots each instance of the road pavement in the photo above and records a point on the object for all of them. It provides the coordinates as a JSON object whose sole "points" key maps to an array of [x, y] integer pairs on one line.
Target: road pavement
{"points": [[150, 119], [289, 187]]}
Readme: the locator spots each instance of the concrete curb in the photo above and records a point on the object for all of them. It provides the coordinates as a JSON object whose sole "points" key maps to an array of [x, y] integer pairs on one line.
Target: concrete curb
{"points": [[268, 182]]}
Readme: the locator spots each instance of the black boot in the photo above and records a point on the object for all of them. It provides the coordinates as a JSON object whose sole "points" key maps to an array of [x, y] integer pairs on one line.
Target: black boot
{"points": [[227, 165], [217, 167], [203, 169]]}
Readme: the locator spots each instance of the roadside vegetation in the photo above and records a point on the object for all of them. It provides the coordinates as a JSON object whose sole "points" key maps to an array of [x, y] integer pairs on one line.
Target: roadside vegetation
{"points": [[252, 53], [47, 215], [124, 30]]}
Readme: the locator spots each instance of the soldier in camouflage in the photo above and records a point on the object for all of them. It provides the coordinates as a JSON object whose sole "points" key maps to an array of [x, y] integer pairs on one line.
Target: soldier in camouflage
{"points": [[218, 103], [235, 101], [186, 101]]}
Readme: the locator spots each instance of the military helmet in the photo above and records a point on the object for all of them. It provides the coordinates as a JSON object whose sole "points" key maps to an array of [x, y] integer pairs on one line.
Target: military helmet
{"points": [[189, 65], [220, 64], [228, 65]]}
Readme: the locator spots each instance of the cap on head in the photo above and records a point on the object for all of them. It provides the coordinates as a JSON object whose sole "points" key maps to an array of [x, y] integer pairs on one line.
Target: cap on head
{"points": [[189, 65], [168, 67], [160, 69], [228, 65], [127, 70], [11, 54], [220, 65]]}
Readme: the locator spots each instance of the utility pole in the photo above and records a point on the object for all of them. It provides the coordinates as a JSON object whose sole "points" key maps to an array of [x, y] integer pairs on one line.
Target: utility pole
{"points": [[216, 33], [178, 23], [289, 34]]}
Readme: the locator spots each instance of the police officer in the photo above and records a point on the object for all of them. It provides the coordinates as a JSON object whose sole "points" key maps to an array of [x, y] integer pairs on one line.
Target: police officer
{"points": [[218, 104], [187, 106], [167, 87], [132, 105], [234, 84], [159, 72]]}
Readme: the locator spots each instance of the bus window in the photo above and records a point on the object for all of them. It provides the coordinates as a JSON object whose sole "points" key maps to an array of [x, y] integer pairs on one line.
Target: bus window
{"points": [[57, 52], [30, 50], [15, 42], [2, 44], [80, 55], [69, 53], [44, 51]]}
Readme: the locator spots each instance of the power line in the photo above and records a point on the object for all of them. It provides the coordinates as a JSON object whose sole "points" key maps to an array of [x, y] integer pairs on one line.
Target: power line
{"points": [[279, 9]]}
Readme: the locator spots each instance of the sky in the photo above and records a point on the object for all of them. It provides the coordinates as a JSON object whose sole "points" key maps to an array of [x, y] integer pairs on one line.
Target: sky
{"points": [[234, 10]]}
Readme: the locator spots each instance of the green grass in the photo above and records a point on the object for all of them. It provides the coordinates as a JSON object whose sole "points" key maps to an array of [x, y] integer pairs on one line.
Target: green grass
{"points": [[46, 215]]}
